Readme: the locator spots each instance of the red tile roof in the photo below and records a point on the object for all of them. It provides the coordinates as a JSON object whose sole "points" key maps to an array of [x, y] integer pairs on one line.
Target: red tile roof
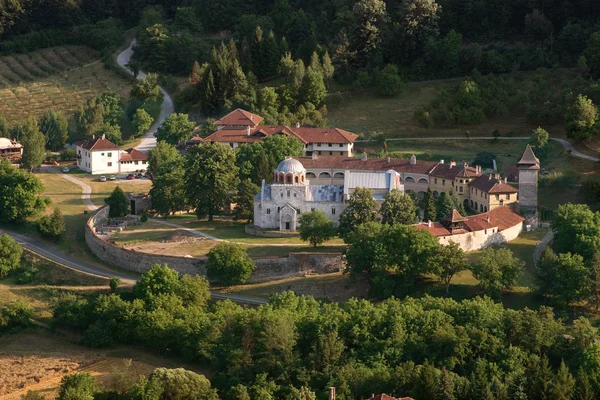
{"points": [[239, 117], [96, 144], [450, 171], [371, 164], [132, 154], [236, 135], [323, 135], [454, 217], [501, 217], [489, 184], [384, 396]]}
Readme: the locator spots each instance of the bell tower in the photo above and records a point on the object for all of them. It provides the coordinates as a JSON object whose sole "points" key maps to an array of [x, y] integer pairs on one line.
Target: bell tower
{"points": [[529, 169]]}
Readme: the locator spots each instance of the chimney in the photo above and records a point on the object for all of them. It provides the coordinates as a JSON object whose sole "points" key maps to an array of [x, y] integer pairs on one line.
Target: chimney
{"points": [[247, 131], [388, 160], [487, 219], [314, 155], [465, 164], [489, 177], [298, 124], [332, 393], [452, 164], [441, 161], [93, 137], [413, 159], [363, 156], [429, 224], [103, 136], [505, 179]]}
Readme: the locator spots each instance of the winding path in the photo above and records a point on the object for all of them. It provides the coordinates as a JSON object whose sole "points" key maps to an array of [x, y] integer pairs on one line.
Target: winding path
{"points": [[167, 107], [564, 143]]}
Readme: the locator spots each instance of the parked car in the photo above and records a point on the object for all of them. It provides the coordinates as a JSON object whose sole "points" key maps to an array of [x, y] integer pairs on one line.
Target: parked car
{"points": [[131, 176], [113, 178], [139, 176], [66, 169], [102, 178]]}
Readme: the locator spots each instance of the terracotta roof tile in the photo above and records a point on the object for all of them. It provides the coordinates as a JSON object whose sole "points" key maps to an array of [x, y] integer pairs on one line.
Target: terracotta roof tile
{"points": [[450, 171], [371, 164], [454, 217], [436, 229], [489, 184], [384, 396], [132, 154], [239, 117], [96, 144], [323, 135]]}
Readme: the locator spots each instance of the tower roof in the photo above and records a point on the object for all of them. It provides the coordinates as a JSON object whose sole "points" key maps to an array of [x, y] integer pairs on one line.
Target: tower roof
{"points": [[528, 160], [455, 217], [290, 166]]}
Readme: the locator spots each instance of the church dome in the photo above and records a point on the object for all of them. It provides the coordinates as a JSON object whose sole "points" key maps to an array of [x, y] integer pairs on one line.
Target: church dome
{"points": [[290, 166]]}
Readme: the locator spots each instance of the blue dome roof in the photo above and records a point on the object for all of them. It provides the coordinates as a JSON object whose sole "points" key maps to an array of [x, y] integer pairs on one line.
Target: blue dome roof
{"points": [[290, 166]]}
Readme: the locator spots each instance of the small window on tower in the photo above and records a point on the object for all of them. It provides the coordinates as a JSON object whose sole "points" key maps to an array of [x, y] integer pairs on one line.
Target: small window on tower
{"points": [[333, 211], [268, 211], [288, 193]]}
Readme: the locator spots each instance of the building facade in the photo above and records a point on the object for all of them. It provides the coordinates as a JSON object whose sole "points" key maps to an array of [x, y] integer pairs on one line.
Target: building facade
{"points": [[11, 150], [240, 126], [99, 156], [528, 168], [304, 184]]}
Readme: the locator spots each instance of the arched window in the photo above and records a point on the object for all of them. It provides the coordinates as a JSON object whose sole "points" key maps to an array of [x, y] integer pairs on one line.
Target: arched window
{"points": [[296, 179], [471, 203], [436, 194], [481, 208], [409, 179], [310, 175], [339, 175], [423, 180], [476, 207], [485, 209], [289, 178], [282, 178], [324, 175]]}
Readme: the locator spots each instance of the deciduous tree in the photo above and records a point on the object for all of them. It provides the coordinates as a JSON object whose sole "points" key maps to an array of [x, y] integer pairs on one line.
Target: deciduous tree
{"points": [[581, 119], [497, 269], [244, 206], [449, 261], [398, 208], [177, 128], [34, 145], [20, 194], [315, 227], [55, 127], [229, 263], [10, 254], [360, 208], [211, 178], [141, 121]]}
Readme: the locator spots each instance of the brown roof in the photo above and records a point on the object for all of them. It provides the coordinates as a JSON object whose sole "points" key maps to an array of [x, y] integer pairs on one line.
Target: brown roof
{"points": [[240, 117], [450, 171], [454, 217], [371, 164], [99, 143], [323, 135], [237, 135], [489, 184], [528, 160], [384, 396], [132, 154], [501, 217]]}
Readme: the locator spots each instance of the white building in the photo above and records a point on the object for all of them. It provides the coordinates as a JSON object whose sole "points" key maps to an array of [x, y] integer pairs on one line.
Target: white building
{"points": [[278, 205], [240, 126], [99, 156]]}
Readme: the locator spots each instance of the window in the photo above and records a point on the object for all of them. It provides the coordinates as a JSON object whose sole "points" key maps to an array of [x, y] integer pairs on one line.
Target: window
{"points": [[331, 153], [312, 209], [101, 154], [460, 189], [333, 211], [319, 153], [278, 209], [288, 193], [443, 182], [137, 162], [294, 194], [109, 164], [497, 197], [341, 145], [341, 153], [330, 144], [281, 194], [435, 180], [108, 154], [508, 196], [268, 211]]}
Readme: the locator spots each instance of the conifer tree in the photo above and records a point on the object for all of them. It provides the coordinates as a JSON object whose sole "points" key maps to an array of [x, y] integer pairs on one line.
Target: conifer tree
{"points": [[446, 386], [328, 68], [427, 386], [270, 55], [583, 388], [430, 213], [564, 384], [541, 380], [283, 46], [256, 48], [246, 56], [34, 145], [196, 74], [516, 388], [315, 62], [208, 101], [445, 204], [232, 49]]}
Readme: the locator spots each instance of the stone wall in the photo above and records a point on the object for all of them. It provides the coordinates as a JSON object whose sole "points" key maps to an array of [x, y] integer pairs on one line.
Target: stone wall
{"points": [[256, 231], [267, 269]]}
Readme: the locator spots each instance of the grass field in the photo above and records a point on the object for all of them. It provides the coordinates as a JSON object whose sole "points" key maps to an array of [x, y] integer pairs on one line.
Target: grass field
{"points": [[59, 77]]}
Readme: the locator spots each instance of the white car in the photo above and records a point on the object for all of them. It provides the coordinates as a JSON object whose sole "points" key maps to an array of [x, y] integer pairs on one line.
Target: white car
{"points": [[66, 169], [102, 178]]}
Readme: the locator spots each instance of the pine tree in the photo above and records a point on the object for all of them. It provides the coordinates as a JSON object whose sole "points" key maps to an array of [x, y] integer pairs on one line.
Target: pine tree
{"points": [[283, 46], [196, 74], [583, 388], [564, 384], [256, 48], [595, 281], [445, 205], [237, 84], [516, 389], [541, 380], [232, 49], [428, 385], [328, 68], [315, 62], [246, 56], [208, 101], [430, 213], [446, 386], [270, 56]]}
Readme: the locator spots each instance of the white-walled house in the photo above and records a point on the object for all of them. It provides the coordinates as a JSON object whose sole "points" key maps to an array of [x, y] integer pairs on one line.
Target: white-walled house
{"points": [[99, 156]]}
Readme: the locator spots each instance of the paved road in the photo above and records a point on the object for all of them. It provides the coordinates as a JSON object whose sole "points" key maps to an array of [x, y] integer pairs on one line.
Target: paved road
{"points": [[565, 144], [167, 108]]}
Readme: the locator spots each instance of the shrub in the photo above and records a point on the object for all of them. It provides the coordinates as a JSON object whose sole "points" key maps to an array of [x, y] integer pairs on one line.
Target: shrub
{"points": [[424, 118], [144, 217], [27, 276], [16, 316], [389, 81], [114, 283], [52, 226], [10, 254], [68, 155], [363, 80], [229, 263], [118, 203]]}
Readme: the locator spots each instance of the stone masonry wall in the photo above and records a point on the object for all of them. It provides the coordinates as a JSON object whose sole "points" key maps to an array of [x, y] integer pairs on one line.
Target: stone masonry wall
{"points": [[267, 269]]}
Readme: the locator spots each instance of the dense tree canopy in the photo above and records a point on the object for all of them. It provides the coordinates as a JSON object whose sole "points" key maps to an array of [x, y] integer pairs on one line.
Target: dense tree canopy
{"points": [[20, 194]]}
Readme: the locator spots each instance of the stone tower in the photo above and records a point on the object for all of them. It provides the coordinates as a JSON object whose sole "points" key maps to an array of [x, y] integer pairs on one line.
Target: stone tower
{"points": [[529, 168]]}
